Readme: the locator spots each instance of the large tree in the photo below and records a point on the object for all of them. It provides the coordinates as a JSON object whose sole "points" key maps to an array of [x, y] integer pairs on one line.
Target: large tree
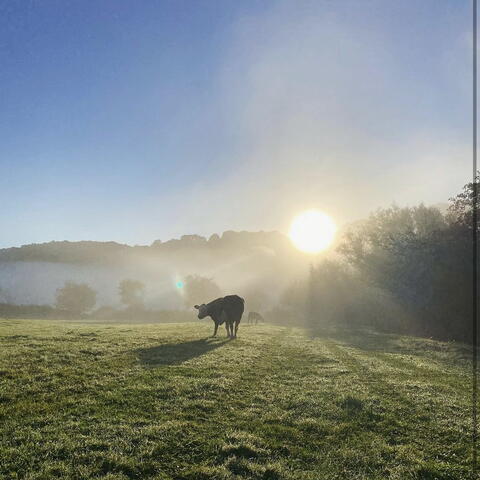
{"points": [[460, 211], [424, 260], [198, 290], [76, 298]]}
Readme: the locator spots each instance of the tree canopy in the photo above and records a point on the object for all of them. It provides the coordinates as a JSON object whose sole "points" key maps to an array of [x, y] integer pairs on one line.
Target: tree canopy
{"points": [[198, 290], [76, 298]]}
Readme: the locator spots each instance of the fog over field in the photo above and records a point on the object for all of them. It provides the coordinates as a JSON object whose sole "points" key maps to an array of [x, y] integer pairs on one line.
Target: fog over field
{"points": [[237, 261]]}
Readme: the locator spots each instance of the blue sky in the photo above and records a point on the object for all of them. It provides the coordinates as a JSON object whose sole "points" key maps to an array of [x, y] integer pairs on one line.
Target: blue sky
{"points": [[132, 121]]}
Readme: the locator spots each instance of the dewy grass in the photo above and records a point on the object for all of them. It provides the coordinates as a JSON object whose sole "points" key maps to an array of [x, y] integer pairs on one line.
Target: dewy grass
{"points": [[90, 401]]}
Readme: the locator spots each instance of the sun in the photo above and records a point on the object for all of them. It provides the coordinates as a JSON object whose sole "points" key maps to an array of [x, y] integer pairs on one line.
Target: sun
{"points": [[312, 231]]}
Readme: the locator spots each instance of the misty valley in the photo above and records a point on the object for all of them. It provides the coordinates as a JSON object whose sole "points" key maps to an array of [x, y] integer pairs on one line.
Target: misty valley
{"points": [[239, 240], [254, 264], [358, 347], [401, 270]]}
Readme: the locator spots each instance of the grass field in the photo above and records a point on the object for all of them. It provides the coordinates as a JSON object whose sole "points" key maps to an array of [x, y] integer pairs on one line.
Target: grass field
{"points": [[84, 401]]}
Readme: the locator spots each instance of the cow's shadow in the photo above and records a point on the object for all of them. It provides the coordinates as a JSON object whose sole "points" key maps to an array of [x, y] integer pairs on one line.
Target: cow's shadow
{"points": [[177, 353]]}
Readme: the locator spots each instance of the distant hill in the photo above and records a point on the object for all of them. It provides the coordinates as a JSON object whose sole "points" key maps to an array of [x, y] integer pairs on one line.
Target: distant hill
{"points": [[237, 261], [100, 253]]}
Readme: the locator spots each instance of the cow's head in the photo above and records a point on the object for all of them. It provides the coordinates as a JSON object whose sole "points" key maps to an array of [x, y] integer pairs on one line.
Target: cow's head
{"points": [[202, 310]]}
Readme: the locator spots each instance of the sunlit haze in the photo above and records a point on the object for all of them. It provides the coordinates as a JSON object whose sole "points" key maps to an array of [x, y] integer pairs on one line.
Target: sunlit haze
{"points": [[312, 231]]}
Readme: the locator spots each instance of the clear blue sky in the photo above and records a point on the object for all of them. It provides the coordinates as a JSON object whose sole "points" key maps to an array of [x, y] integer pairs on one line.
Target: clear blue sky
{"points": [[136, 120]]}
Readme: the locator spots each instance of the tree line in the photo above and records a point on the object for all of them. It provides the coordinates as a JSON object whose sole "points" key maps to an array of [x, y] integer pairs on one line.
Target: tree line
{"points": [[404, 270], [79, 300]]}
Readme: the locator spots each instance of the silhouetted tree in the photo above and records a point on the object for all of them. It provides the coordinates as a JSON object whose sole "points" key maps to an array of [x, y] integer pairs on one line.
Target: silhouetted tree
{"points": [[198, 289], [423, 259], [460, 211], [76, 298], [132, 293]]}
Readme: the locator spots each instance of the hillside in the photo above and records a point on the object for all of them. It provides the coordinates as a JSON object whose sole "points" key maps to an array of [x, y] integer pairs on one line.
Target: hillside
{"points": [[92, 253]]}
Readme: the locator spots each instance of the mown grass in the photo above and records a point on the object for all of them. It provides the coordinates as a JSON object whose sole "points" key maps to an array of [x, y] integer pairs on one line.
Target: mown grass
{"points": [[85, 401]]}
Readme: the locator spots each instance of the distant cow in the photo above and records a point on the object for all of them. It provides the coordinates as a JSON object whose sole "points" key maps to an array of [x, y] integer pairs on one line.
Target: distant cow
{"points": [[255, 317], [228, 310]]}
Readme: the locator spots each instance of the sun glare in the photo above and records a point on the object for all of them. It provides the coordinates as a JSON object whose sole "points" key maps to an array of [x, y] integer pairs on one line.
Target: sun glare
{"points": [[312, 231]]}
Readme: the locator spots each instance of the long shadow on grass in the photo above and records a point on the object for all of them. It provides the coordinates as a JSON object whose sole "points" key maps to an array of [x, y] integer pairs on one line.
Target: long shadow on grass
{"points": [[372, 341], [177, 353], [365, 339]]}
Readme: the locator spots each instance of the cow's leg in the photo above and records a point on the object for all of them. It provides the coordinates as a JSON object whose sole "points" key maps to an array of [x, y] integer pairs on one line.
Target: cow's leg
{"points": [[236, 329], [215, 330], [227, 329]]}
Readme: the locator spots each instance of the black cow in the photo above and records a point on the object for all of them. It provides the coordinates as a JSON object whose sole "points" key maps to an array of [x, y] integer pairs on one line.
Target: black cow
{"points": [[228, 310]]}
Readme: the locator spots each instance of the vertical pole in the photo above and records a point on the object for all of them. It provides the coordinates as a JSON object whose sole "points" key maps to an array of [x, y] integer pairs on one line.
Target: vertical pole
{"points": [[474, 242]]}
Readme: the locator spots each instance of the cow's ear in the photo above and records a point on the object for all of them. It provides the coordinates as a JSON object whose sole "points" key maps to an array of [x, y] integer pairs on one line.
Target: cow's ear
{"points": [[196, 306]]}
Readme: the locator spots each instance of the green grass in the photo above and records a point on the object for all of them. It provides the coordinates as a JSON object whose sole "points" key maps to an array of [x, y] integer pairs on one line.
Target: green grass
{"points": [[84, 401]]}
